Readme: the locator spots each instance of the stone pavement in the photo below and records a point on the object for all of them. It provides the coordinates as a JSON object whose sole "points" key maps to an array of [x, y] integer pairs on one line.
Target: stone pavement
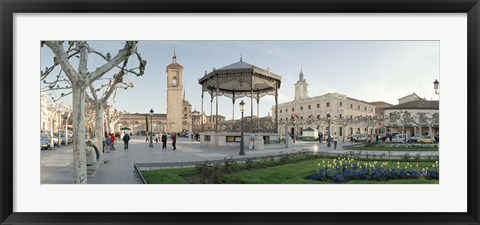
{"points": [[57, 164]]}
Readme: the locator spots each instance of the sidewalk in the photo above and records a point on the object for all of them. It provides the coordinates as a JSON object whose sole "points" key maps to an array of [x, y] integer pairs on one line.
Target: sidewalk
{"points": [[57, 165]]}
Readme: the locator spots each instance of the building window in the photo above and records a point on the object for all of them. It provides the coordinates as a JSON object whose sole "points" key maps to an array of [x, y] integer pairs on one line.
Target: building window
{"points": [[280, 111], [340, 115], [340, 131], [185, 109], [351, 106], [328, 104], [365, 108], [341, 104], [184, 116], [318, 117], [358, 107], [301, 118], [293, 109], [301, 107], [309, 107], [351, 117], [286, 110], [318, 105]]}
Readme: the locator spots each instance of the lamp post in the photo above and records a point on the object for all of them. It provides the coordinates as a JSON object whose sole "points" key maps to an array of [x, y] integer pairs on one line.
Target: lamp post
{"points": [[435, 85], [329, 130], [151, 128], [242, 109]]}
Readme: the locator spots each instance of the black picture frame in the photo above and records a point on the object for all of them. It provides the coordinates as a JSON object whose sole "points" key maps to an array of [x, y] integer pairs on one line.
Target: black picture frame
{"points": [[10, 7]]}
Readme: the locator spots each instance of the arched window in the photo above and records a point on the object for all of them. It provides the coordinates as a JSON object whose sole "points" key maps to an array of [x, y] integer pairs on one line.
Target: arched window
{"points": [[174, 81]]}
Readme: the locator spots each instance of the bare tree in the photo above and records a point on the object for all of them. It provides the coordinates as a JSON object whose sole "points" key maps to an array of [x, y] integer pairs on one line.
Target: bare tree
{"points": [[344, 122], [80, 79]]}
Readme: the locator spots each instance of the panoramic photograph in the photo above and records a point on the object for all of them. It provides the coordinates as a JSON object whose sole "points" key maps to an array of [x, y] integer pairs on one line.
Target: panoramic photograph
{"points": [[239, 112]]}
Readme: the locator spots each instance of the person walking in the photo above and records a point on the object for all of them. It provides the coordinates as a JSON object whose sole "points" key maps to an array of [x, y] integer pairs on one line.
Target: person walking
{"points": [[376, 138], [107, 143], [252, 141], [164, 141], [320, 136], [126, 139], [335, 140], [112, 141], [174, 141]]}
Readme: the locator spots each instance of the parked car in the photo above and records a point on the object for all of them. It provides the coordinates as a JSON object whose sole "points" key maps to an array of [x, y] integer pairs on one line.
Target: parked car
{"points": [[44, 141], [399, 138], [359, 137], [426, 140], [415, 138]]}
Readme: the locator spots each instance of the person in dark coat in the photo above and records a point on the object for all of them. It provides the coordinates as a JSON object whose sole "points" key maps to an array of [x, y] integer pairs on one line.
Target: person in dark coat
{"points": [[164, 141], [126, 139], [174, 141]]}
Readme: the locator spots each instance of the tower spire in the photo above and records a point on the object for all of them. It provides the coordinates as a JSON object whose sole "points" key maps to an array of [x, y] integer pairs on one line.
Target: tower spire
{"points": [[301, 72], [241, 58], [174, 58]]}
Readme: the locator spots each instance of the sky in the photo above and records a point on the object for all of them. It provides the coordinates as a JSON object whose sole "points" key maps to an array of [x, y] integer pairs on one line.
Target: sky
{"points": [[364, 70]]}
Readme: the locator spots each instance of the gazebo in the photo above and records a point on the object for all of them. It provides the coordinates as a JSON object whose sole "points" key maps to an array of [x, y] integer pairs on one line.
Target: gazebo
{"points": [[240, 80]]}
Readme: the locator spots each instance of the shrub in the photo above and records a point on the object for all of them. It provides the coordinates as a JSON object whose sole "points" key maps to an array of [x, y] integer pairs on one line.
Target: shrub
{"points": [[209, 173]]}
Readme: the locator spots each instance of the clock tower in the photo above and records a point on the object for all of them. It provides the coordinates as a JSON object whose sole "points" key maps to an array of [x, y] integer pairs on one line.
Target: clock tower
{"points": [[301, 86], [174, 95]]}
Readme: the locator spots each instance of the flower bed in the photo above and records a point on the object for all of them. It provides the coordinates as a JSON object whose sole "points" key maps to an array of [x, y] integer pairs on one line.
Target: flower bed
{"points": [[345, 170]]}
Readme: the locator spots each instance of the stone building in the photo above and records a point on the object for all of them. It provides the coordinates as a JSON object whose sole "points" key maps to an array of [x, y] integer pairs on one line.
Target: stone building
{"points": [[413, 116], [315, 112]]}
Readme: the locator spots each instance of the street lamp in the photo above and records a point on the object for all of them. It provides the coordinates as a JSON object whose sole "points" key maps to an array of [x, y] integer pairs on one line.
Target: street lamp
{"points": [[435, 85], [242, 109], [151, 128], [329, 130]]}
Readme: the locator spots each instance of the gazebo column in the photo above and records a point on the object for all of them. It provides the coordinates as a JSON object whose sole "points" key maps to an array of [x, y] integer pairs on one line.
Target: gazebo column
{"points": [[201, 112], [211, 109], [276, 107], [216, 110], [251, 109], [233, 110], [258, 118]]}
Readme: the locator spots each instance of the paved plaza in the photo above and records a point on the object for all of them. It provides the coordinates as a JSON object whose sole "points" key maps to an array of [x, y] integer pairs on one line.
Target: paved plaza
{"points": [[57, 164]]}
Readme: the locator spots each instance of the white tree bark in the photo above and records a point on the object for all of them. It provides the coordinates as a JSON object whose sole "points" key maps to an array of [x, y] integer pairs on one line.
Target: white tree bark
{"points": [[80, 81]]}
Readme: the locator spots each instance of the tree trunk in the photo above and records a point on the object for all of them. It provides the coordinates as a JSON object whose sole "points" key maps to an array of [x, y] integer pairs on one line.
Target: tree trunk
{"points": [[66, 129], [52, 142], [79, 153], [99, 133]]}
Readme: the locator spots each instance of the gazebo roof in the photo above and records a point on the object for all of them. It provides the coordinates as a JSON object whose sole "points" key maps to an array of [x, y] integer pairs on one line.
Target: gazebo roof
{"points": [[240, 79]]}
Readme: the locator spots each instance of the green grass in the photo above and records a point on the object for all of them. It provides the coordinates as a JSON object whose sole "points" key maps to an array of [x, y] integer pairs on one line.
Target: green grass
{"points": [[293, 173]]}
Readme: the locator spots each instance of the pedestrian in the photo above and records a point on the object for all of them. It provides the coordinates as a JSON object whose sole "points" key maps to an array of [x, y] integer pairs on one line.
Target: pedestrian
{"points": [[376, 138], [252, 141], [107, 142], [320, 136], [146, 138], [164, 141], [390, 137], [293, 137], [112, 141], [335, 140], [174, 141], [91, 152], [126, 139]]}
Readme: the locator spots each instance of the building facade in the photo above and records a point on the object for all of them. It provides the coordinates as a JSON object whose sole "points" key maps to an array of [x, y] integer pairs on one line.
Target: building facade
{"points": [[413, 116], [316, 112]]}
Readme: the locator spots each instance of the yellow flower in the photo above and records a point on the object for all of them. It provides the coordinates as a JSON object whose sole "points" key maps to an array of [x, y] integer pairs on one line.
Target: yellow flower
{"points": [[417, 164], [398, 163]]}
